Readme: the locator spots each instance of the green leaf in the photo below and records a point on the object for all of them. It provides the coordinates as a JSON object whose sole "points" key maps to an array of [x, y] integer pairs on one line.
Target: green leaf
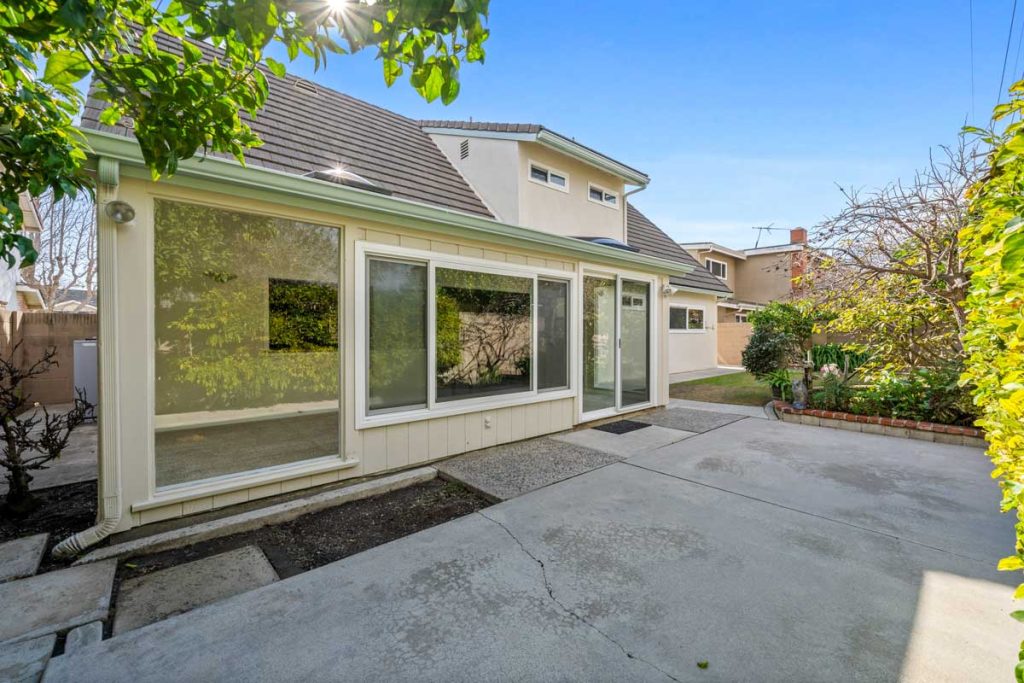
{"points": [[276, 67], [1011, 563], [66, 67], [1018, 615], [703, 664], [1012, 260]]}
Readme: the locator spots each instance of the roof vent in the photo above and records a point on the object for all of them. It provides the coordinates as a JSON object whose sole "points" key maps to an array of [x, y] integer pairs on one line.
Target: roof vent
{"points": [[464, 149], [303, 84], [340, 176]]}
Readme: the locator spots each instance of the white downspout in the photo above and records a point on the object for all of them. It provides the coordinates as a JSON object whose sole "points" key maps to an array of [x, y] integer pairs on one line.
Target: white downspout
{"points": [[109, 460], [625, 211]]}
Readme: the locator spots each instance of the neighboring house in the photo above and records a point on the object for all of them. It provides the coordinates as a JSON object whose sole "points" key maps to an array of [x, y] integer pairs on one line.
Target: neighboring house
{"points": [[15, 295], [353, 301], [756, 277], [76, 301]]}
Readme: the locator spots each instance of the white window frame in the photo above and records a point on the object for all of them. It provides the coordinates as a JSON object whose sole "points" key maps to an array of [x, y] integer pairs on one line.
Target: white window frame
{"points": [[743, 315], [604, 192], [435, 408], [549, 170], [725, 267], [688, 330]]}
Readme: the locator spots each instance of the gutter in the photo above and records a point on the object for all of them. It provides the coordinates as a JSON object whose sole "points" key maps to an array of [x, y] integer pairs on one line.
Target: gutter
{"points": [[109, 455], [289, 189]]}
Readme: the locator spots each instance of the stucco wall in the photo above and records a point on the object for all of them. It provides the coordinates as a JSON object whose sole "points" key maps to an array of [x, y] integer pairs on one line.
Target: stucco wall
{"points": [[731, 267], [365, 451], [38, 331], [764, 278], [692, 350], [492, 169], [567, 213], [732, 339]]}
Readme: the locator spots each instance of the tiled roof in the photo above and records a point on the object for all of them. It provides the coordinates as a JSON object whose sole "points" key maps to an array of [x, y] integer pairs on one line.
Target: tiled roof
{"points": [[307, 127], [644, 235], [531, 128]]}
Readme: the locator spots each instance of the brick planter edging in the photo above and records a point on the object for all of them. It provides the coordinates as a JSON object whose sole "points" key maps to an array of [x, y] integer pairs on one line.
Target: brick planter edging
{"points": [[891, 426]]}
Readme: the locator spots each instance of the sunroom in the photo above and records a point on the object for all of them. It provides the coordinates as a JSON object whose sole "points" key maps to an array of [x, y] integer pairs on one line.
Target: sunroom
{"points": [[263, 332]]}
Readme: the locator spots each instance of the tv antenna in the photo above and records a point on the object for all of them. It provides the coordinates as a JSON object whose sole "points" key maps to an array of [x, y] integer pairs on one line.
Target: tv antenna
{"points": [[761, 229]]}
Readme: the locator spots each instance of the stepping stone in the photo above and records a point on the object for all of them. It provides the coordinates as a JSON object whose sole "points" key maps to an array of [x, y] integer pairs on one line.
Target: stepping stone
{"points": [[147, 599], [24, 662], [55, 601], [510, 470], [624, 445], [83, 636], [689, 420], [21, 557]]}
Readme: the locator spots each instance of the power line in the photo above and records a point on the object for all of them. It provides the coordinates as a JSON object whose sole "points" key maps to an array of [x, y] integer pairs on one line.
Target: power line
{"points": [[1006, 54]]}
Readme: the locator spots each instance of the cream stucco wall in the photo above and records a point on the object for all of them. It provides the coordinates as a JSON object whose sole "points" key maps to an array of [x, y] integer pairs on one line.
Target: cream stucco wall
{"points": [[492, 169], [567, 213], [693, 350], [129, 309]]}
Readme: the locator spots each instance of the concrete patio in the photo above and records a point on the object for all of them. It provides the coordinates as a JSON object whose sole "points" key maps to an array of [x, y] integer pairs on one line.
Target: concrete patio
{"points": [[772, 551]]}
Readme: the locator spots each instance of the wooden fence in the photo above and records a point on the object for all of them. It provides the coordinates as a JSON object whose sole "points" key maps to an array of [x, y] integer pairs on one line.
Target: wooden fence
{"points": [[37, 331]]}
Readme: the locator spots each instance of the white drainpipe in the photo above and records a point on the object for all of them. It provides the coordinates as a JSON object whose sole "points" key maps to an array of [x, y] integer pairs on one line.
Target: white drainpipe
{"points": [[109, 460], [625, 211]]}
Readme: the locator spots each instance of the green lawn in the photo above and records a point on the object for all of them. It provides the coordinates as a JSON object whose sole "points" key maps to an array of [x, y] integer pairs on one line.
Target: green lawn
{"points": [[738, 388]]}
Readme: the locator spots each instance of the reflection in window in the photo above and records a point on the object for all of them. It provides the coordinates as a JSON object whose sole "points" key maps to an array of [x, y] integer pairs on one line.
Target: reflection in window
{"points": [[695, 319], [397, 329], [552, 334], [484, 333], [682, 318], [246, 341]]}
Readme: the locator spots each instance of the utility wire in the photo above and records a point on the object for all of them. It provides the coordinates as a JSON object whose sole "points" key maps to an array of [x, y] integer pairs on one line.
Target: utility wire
{"points": [[1006, 54]]}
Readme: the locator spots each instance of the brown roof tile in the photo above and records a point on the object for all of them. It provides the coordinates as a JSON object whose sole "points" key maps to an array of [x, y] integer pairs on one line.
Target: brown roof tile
{"points": [[644, 235]]}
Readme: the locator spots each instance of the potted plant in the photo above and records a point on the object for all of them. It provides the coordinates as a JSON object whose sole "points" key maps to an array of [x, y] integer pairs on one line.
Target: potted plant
{"points": [[780, 383]]}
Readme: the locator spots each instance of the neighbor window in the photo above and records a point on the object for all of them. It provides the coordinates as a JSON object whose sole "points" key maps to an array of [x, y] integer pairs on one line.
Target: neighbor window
{"points": [[483, 332], [396, 334], [549, 176], [245, 344], [685, 318], [741, 317], [717, 268], [602, 196]]}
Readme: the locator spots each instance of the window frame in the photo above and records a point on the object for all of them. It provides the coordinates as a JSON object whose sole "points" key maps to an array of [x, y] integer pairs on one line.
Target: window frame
{"points": [[530, 164], [725, 268], [434, 408], [604, 193], [688, 329]]}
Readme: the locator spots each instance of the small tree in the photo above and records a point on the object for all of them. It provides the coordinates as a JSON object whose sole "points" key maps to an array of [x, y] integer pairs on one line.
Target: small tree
{"points": [[30, 441]]}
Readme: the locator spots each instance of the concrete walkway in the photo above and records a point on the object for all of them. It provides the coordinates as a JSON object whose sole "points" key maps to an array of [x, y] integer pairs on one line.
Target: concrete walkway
{"points": [[771, 551], [702, 373], [77, 463]]}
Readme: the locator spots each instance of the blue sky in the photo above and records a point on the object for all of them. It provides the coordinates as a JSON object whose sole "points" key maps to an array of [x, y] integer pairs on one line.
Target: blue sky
{"points": [[742, 113]]}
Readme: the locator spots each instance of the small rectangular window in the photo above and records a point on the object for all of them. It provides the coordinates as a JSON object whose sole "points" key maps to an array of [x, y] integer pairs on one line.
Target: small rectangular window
{"points": [[602, 196], [717, 268], [556, 179], [684, 318], [741, 317], [539, 174]]}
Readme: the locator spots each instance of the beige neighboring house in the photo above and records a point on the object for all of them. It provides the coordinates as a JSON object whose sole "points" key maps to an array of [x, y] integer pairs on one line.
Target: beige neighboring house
{"points": [[76, 301], [756, 277]]}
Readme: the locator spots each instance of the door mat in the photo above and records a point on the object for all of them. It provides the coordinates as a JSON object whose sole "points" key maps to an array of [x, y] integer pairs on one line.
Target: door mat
{"points": [[621, 427]]}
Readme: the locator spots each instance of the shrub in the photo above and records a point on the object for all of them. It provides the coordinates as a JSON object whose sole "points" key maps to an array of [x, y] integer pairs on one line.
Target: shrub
{"points": [[780, 382], [767, 350], [834, 392], [932, 395], [843, 357]]}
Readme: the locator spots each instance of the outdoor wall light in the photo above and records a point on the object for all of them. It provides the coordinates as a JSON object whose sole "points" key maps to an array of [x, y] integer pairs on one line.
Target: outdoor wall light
{"points": [[120, 212]]}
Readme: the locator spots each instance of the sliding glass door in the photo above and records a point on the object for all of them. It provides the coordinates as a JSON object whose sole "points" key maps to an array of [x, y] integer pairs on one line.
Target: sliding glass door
{"points": [[616, 344]]}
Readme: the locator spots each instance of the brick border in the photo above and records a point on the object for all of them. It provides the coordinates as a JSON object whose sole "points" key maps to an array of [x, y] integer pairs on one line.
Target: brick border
{"points": [[875, 424]]}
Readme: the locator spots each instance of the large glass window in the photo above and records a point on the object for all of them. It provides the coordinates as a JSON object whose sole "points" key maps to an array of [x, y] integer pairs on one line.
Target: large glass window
{"points": [[599, 341], [397, 334], [552, 334], [484, 333], [246, 348], [636, 347]]}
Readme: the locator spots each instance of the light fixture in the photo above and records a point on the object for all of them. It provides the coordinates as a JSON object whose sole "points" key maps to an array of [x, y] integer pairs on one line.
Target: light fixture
{"points": [[120, 212]]}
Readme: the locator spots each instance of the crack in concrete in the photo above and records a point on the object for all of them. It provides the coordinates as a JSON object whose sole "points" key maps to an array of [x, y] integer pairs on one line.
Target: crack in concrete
{"points": [[572, 613]]}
